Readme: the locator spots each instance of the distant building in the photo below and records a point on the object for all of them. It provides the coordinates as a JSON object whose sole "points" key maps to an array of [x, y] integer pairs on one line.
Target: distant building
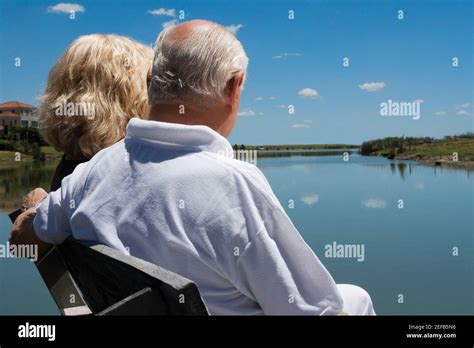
{"points": [[15, 113]]}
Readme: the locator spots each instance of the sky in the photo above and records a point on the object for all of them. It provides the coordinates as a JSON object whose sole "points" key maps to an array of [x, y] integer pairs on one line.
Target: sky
{"points": [[296, 51]]}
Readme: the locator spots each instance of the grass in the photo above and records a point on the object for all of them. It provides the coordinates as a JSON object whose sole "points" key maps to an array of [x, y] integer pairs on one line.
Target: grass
{"points": [[444, 148], [11, 156], [49, 151]]}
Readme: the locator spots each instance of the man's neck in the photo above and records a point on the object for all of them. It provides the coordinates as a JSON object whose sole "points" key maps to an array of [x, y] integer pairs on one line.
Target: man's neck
{"points": [[176, 114], [187, 115]]}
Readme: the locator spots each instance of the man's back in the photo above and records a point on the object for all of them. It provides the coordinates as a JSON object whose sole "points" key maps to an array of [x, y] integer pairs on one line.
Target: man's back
{"points": [[170, 194]]}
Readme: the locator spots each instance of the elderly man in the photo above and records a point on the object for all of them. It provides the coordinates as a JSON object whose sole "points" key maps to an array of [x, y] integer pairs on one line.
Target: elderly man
{"points": [[172, 194]]}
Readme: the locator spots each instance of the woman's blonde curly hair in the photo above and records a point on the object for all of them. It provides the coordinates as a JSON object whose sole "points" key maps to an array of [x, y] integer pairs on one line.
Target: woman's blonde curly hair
{"points": [[108, 72]]}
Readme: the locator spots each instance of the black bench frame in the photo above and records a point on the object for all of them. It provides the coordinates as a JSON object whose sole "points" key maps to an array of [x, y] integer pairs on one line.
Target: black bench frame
{"points": [[86, 278]]}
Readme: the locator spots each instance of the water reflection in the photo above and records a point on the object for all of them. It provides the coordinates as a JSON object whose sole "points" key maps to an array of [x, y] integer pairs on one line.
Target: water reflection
{"points": [[351, 201], [358, 201], [401, 169], [19, 178], [401, 166]]}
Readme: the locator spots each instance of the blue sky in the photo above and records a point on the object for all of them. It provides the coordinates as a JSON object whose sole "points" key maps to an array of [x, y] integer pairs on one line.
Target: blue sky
{"points": [[402, 60]]}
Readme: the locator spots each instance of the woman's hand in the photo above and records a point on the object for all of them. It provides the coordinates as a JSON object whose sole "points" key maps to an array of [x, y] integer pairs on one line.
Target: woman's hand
{"points": [[33, 198], [22, 231]]}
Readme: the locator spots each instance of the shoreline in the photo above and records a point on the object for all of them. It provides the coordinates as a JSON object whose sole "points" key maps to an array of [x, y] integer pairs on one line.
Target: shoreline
{"points": [[26, 159], [47, 153], [439, 161], [447, 164]]}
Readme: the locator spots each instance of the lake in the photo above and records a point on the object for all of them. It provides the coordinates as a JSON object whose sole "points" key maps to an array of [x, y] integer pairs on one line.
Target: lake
{"points": [[414, 224]]}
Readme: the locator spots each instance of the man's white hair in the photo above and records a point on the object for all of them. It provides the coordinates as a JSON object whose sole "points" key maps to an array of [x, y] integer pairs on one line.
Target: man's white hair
{"points": [[195, 70]]}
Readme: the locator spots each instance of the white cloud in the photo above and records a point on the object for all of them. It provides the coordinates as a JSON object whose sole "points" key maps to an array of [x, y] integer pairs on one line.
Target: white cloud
{"points": [[170, 12], [272, 98], [374, 203], [307, 121], [440, 113], [310, 199], [234, 28], [301, 125], [170, 23], [249, 112], [259, 99], [463, 106], [462, 112], [66, 8], [462, 109], [285, 54], [282, 106], [372, 86], [308, 93]]}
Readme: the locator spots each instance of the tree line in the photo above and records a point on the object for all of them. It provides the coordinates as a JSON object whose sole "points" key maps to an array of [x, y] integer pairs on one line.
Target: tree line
{"points": [[26, 140], [396, 145]]}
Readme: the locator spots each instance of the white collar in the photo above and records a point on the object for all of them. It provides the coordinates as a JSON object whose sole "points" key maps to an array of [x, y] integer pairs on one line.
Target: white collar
{"points": [[179, 136]]}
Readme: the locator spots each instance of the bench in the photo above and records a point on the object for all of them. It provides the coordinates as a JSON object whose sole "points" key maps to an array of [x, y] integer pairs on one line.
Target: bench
{"points": [[86, 278]]}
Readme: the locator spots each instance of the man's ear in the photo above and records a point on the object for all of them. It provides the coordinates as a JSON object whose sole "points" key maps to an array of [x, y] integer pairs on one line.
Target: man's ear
{"points": [[234, 86]]}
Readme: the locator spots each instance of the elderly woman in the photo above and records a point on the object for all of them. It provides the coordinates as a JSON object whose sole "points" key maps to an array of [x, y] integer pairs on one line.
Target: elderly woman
{"points": [[93, 90]]}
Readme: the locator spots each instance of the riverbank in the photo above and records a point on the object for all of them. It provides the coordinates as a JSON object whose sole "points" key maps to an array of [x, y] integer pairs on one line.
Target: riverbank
{"points": [[296, 147], [438, 153], [323, 152], [48, 153], [456, 153], [448, 163]]}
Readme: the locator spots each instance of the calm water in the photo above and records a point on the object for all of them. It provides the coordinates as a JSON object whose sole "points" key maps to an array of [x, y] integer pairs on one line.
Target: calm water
{"points": [[407, 251], [21, 288]]}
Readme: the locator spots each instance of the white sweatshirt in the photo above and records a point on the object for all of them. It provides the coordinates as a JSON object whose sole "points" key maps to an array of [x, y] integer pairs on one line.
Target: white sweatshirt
{"points": [[173, 195]]}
